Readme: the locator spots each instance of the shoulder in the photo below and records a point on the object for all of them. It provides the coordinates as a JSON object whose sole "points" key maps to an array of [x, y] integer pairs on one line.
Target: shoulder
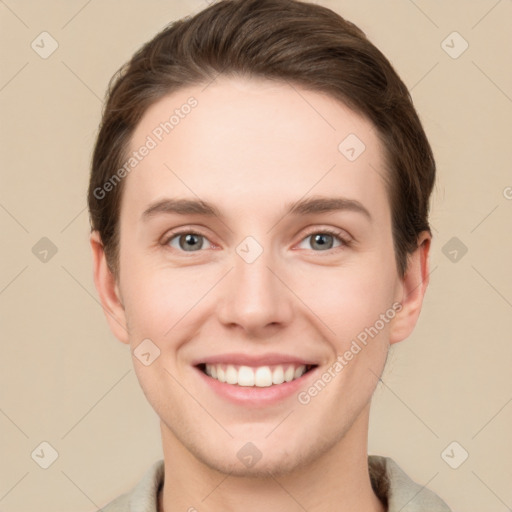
{"points": [[402, 494], [143, 497], [120, 504]]}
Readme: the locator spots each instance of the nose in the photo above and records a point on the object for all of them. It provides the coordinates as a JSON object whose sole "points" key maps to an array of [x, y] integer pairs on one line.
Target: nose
{"points": [[255, 296]]}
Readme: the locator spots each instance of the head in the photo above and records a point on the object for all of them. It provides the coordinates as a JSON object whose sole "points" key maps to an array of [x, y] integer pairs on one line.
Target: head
{"points": [[255, 112]]}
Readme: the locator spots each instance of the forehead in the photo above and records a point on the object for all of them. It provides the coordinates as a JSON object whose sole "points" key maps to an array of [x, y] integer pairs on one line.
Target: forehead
{"points": [[249, 143]]}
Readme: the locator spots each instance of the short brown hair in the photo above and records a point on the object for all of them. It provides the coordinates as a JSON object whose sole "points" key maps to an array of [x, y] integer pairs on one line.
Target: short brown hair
{"points": [[285, 40]]}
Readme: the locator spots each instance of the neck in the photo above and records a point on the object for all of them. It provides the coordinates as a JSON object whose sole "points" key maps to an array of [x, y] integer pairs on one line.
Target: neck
{"points": [[336, 481]]}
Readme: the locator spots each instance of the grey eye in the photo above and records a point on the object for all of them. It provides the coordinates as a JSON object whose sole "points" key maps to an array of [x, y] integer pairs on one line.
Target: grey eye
{"points": [[321, 241], [189, 242]]}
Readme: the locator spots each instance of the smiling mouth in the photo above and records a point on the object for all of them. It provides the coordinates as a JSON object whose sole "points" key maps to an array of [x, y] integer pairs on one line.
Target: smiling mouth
{"points": [[261, 376]]}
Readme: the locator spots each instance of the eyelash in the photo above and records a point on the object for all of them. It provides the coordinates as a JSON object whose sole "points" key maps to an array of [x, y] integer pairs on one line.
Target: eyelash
{"points": [[327, 231], [333, 232]]}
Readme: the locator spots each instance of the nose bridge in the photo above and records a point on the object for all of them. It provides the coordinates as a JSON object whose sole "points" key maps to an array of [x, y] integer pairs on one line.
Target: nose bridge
{"points": [[256, 296]]}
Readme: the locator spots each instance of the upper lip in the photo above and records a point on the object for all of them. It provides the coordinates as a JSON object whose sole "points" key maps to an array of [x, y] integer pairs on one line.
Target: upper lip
{"points": [[255, 360]]}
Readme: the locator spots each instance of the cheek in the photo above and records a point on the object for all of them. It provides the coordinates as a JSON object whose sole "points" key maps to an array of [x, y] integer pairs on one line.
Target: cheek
{"points": [[349, 298], [158, 297]]}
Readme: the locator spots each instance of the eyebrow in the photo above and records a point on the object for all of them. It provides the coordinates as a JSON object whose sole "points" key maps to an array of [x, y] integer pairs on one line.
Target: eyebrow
{"points": [[308, 206]]}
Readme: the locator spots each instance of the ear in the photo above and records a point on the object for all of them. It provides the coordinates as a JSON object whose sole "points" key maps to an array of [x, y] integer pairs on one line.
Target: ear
{"points": [[108, 290], [412, 290]]}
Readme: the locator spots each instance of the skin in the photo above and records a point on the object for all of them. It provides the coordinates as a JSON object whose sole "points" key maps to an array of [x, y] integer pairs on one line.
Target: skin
{"points": [[250, 147]]}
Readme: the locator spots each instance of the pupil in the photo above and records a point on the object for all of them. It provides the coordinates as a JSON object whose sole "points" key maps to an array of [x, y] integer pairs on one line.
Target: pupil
{"points": [[320, 240], [190, 239]]}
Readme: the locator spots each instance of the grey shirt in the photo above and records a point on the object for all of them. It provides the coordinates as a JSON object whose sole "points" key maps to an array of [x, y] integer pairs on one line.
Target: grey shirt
{"points": [[389, 482]]}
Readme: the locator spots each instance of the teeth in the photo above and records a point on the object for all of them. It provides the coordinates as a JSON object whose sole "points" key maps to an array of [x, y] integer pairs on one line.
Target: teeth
{"points": [[245, 377], [262, 376], [289, 373], [231, 375], [278, 375], [299, 371]]}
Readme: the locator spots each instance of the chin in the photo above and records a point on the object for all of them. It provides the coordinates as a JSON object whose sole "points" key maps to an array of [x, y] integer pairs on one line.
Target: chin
{"points": [[263, 469], [269, 459]]}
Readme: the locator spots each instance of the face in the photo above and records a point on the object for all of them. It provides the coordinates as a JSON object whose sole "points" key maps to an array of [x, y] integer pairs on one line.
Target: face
{"points": [[254, 248]]}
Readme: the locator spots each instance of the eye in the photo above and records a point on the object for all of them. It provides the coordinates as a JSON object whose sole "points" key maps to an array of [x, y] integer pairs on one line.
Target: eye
{"points": [[325, 239], [321, 240], [187, 241]]}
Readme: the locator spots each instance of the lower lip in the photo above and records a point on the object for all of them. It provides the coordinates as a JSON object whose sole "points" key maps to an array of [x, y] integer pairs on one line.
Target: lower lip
{"points": [[253, 395]]}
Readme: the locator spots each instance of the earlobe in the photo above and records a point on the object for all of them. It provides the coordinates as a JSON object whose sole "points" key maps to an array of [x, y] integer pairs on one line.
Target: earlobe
{"points": [[412, 289], [108, 290]]}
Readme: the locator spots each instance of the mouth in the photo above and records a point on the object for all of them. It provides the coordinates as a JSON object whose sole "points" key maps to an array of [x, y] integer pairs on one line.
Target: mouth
{"points": [[255, 376]]}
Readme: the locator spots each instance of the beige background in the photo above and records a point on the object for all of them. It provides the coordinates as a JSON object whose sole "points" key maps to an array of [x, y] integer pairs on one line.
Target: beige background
{"points": [[65, 380]]}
